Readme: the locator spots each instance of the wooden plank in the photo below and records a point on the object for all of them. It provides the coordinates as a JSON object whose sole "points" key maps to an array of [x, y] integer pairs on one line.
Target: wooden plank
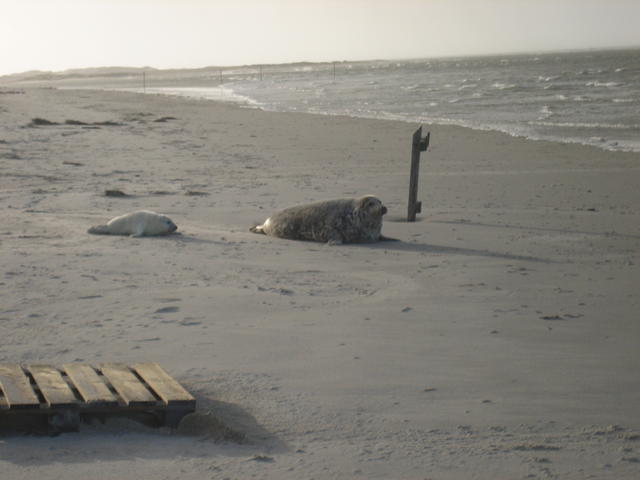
{"points": [[132, 392], [91, 386], [168, 389], [16, 387], [54, 389]]}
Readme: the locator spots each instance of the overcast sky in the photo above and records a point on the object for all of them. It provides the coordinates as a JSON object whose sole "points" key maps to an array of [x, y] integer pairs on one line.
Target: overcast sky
{"points": [[62, 34]]}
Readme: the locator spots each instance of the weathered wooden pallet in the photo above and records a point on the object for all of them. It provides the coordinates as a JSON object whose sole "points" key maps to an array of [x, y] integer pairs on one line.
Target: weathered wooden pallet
{"points": [[63, 396]]}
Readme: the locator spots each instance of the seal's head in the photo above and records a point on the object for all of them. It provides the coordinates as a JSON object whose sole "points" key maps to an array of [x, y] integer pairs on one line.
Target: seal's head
{"points": [[155, 224], [171, 227], [370, 206]]}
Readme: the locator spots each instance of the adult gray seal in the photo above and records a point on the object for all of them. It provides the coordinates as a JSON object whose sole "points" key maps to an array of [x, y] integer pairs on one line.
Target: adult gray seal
{"points": [[137, 224], [344, 220]]}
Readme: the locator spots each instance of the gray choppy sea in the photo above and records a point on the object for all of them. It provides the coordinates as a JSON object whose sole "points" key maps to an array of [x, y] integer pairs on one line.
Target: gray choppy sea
{"points": [[580, 97]]}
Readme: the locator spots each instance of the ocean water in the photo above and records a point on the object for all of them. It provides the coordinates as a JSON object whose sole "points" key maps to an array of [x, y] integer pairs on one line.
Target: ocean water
{"points": [[581, 97]]}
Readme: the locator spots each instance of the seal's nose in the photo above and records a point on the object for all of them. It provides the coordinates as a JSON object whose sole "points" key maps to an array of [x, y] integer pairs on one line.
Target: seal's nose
{"points": [[173, 227], [384, 209]]}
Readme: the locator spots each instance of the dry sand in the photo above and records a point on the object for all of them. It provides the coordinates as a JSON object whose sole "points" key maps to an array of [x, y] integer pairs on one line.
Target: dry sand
{"points": [[498, 339]]}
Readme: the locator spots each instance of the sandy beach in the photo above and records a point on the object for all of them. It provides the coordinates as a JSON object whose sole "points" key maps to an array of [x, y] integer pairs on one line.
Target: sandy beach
{"points": [[497, 339]]}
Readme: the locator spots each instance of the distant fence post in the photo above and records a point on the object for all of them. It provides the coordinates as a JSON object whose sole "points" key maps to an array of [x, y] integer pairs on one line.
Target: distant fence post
{"points": [[418, 145]]}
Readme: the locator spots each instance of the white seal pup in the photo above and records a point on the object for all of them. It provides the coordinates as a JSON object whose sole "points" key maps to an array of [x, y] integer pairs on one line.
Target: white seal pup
{"points": [[345, 220], [137, 224]]}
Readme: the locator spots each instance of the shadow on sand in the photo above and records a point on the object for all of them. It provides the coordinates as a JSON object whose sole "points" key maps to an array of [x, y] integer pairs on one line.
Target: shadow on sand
{"points": [[401, 246], [138, 437], [535, 229]]}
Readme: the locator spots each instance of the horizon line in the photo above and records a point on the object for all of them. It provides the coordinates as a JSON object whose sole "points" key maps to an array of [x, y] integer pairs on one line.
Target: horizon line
{"points": [[321, 62]]}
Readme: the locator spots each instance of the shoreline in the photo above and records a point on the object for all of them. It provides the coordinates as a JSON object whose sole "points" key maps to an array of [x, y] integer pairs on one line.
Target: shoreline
{"points": [[239, 100], [571, 97], [498, 335]]}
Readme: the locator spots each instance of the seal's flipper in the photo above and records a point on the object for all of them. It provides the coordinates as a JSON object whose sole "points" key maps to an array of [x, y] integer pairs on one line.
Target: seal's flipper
{"points": [[387, 239]]}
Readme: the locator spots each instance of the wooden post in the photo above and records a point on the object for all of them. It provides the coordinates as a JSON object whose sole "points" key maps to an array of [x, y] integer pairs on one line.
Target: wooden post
{"points": [[418, 145]]}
